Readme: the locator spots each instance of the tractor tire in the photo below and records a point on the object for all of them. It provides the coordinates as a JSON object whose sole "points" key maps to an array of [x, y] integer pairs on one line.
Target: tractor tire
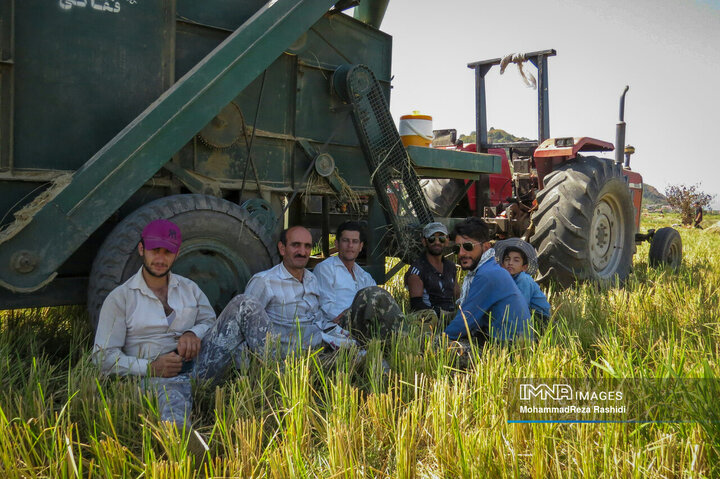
{"points": [[666, 249], [585, 223], [222, 247]]}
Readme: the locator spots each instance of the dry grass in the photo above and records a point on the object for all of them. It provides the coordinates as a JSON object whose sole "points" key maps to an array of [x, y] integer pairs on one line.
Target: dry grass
{"points": [[312, 417]]}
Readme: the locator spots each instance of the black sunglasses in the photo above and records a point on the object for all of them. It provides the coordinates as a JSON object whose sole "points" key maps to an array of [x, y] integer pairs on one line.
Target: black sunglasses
{"points": [[467, 246], [432, 239]]}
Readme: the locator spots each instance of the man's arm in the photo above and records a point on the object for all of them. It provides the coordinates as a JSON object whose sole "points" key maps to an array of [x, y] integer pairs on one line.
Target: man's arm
{"points": [[478, 302], [416, 288], [257, 289], [368, 279], [328, 299], [189, 343], [110, 339]]}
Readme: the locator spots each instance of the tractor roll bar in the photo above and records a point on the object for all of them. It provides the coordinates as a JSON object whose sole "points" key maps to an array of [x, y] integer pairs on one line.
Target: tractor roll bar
{"points": [[539, 59]]}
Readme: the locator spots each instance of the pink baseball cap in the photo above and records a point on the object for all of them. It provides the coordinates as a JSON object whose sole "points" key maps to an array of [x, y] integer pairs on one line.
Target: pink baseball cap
{"points": [[162, 234]]}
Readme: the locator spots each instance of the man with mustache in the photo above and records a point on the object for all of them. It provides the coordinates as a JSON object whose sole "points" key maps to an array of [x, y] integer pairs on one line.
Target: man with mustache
{"points": [[490, 302], [290, 295]]}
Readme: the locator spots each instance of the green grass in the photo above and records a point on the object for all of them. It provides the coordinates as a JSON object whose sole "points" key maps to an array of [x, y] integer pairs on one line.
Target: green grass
{"points": [[317, 416]]}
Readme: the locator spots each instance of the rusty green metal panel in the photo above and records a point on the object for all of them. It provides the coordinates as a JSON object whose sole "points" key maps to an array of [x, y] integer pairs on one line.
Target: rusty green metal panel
{"points": [[439, 163], [371, 11], [297, 102], [30, 257], [80, 78], [7, 35]]}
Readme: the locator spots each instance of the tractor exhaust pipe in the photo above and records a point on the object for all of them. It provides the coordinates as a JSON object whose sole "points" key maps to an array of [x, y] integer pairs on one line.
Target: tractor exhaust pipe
{"points": [[620, 130]]}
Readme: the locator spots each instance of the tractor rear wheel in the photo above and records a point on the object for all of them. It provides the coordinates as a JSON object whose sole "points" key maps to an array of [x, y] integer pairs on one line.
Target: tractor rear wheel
{"points": [[222, 247], [666, 248], [584, 225]]}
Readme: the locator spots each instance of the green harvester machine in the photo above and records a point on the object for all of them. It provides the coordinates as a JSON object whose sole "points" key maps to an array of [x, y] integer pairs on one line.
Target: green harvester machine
{"points": [[231, 118]]}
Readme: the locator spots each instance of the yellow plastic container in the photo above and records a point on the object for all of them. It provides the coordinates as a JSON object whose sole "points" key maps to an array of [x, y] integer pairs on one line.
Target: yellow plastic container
{"points": [[416, 129]]}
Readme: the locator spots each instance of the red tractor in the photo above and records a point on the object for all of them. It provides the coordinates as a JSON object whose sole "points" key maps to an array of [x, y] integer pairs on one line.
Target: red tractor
{"points": [[580, 211]]}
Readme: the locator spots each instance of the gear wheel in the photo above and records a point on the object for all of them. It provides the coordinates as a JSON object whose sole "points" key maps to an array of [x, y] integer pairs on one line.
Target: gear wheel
{"points": [[225, 129]]}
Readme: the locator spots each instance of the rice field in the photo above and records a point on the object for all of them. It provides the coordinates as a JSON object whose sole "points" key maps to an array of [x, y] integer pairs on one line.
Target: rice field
{"points": [[433, 415]]}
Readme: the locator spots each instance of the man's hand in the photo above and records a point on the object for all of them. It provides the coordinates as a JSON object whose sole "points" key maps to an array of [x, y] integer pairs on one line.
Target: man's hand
{"points": [[188, 346], [336, 320], [167, 365]]}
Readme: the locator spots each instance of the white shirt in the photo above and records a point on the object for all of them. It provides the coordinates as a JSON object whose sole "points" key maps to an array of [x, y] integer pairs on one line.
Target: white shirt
{"points": [[486, 256], [291, 305], [133, 328], [338, 287]]}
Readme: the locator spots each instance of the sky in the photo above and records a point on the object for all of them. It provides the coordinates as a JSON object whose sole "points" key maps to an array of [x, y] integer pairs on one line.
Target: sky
{"points": [[667, 51]]}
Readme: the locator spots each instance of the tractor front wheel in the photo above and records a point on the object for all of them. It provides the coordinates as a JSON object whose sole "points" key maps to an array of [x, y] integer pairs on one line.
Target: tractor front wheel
{"points": [[222, 247], [584, 225], [666, 248]]}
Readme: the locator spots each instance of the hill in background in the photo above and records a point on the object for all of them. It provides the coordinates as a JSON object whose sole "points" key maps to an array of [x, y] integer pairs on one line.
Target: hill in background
{"points": [[652, 197], [495, 135]]}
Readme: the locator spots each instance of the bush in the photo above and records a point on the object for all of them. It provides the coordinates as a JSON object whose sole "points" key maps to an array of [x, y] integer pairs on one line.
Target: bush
{"points": [[683, 197]]}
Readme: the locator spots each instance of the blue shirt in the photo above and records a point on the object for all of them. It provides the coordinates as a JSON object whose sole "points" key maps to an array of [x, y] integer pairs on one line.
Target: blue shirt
{"points": [[533, 294], [492, 299]]}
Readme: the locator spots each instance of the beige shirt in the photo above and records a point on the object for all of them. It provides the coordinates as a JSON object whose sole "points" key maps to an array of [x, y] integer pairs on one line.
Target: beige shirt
{"points": [[133, 329]]}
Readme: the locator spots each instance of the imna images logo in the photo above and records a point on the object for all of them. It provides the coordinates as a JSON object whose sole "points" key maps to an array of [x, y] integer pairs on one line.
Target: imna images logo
{"points": [[544, 392]]}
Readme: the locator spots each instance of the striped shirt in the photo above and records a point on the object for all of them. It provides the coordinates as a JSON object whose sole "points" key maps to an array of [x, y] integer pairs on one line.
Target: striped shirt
{"points": [[292, 306]]}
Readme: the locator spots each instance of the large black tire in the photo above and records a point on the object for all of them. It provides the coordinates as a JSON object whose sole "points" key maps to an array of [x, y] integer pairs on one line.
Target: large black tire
{"points": [[666, 248], [585, 223], [442, 195], [222, 248]]}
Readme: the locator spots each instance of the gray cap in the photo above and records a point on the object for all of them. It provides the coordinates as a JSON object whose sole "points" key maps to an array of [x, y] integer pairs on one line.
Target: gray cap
{"points": [[524, 246], [434, 227]]}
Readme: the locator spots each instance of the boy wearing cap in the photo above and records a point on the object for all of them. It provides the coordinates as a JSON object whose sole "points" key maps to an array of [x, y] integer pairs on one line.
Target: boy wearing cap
{"points": [[161, 325], [431, 279], [518, 257]]}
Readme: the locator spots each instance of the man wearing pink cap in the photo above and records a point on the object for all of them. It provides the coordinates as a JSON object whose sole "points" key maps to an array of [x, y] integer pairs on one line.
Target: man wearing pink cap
{"points": [[160, 325]]}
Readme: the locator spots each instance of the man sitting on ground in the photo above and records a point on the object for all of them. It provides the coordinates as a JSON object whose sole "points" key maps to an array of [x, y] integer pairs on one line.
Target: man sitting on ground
{"points": [[160, 325], [340, 277], [490, 302], [431, 279], [290, 295], [518, 257]]}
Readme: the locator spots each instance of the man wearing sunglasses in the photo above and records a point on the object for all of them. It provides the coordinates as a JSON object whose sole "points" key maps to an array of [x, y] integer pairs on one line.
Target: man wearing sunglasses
{"points": [[430, 280], [490, 302]]}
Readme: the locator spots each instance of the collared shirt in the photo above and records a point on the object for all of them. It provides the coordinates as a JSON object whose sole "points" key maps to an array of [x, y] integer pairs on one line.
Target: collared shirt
{"points": [[493, 303], [486, 256], [532, 293], [133, 328], [338, 287], [292, 306]]}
